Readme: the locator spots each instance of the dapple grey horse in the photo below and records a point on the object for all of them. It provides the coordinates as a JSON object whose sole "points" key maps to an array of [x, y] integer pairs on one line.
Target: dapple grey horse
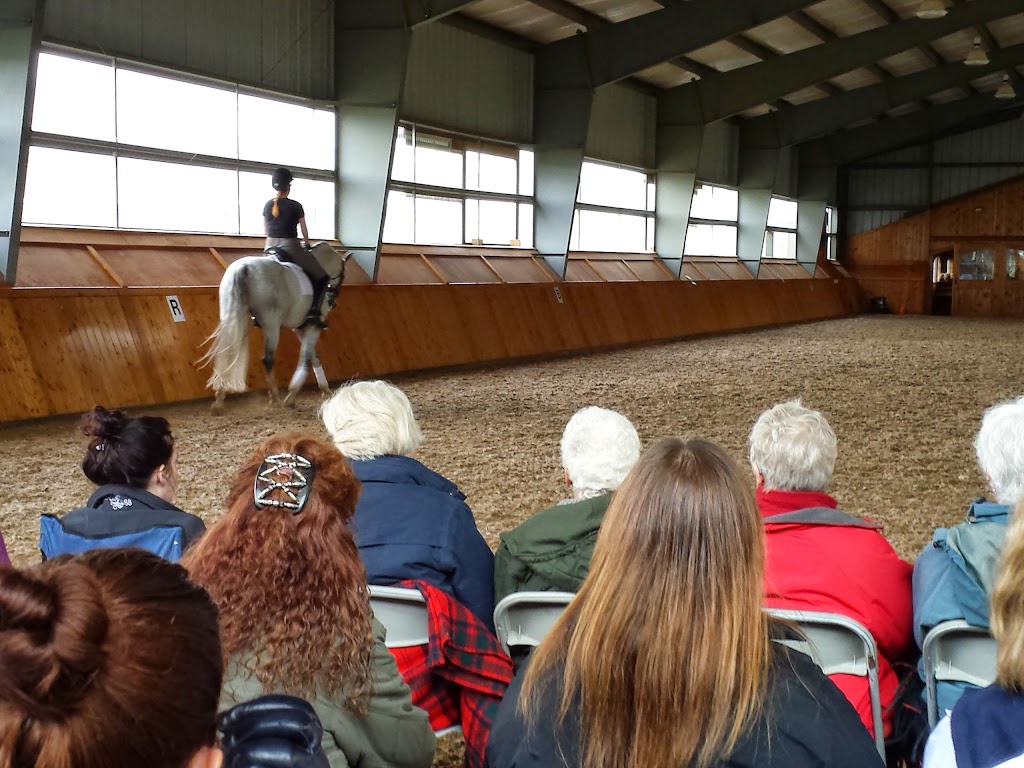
{"points": [[272, 292]]}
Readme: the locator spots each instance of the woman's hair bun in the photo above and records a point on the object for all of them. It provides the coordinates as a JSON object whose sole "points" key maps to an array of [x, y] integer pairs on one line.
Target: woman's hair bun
{"points": [[103, 424], [53, 629]]}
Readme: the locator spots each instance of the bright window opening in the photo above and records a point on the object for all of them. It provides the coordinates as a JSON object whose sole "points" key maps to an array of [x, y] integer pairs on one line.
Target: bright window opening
{"points": [[156, 125], [712, 228], [450, 190], [831, 233], [76, 189], [780, 236], [614, 210], [74, 98]]}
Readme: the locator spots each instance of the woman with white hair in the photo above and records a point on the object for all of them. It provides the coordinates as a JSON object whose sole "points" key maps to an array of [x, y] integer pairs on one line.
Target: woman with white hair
{"points": [[410, 523], [819, 558], [954, 574], [551, 551], [986, 728]]}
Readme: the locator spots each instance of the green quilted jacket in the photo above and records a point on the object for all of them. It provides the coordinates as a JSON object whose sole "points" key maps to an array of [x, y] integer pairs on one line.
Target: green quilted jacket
{"points": [[551, 551]]}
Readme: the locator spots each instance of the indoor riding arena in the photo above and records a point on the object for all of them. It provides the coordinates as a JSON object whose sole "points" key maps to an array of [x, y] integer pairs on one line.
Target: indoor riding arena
{"points": [[683, 211]]}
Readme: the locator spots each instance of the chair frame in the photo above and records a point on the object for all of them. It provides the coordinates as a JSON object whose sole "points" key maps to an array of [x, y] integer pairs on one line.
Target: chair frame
{"points": [[946, 632], [520, 601], [807, 622], [404, 607]]}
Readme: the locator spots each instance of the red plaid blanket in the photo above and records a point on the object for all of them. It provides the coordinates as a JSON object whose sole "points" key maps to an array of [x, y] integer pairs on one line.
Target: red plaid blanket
{"points": [[460, 675]]}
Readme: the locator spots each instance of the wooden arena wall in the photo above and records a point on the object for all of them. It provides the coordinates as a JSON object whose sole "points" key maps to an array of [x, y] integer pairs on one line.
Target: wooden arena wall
{"points": [[110, 338], [895, 261]]}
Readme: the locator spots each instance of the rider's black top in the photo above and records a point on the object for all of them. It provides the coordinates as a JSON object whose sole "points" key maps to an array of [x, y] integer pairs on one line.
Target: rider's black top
{"points": [[287, 221]]}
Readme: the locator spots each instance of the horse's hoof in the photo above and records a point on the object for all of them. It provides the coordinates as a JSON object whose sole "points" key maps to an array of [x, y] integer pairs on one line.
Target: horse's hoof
{"points": [[217, 409], [289, 400]]}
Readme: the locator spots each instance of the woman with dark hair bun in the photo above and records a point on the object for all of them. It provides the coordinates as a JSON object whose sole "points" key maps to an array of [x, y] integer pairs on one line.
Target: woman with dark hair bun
{"points": [[134, 462], [107, 660]]}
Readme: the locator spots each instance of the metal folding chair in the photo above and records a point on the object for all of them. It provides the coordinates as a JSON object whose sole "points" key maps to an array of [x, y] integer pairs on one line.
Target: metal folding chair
{"points": [[524, 618], [954, 651], [839, 645], [403, 612]]}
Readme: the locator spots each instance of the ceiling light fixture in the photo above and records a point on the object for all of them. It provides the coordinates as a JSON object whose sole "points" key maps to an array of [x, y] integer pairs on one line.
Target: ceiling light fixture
{"points": [[1005, 91], [931, 9], [977, 56]]}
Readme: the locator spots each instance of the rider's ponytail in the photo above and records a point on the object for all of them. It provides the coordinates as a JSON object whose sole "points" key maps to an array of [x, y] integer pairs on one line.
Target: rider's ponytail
{"points": [[275, 211]]}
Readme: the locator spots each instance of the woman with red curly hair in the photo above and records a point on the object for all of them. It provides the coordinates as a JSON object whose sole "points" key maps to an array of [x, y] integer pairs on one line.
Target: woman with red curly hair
{"points": [[283, 567]]}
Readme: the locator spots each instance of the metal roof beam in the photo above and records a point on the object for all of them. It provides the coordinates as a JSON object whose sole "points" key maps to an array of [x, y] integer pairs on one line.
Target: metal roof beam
{"points": [[614, 51], [419, 12], [817, 118], [885, 135], [728, 93], [488, 32]]}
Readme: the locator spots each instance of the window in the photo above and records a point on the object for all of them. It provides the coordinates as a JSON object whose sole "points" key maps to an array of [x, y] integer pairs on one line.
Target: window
{"points": [[451, 190], [70, 188], [1014, 263], [74, 98], [831, 233], [714, 212], [614, 210], [780, 236], [122, 146], [977, 265]]}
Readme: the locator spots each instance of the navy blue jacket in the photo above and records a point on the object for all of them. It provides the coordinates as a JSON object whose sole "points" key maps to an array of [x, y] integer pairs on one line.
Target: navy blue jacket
{"points": [[412, 523], [116, 509]]}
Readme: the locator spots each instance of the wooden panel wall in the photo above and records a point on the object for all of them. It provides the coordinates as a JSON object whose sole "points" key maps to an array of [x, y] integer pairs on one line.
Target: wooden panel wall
{"points": [[65, 350], [895, 260]]}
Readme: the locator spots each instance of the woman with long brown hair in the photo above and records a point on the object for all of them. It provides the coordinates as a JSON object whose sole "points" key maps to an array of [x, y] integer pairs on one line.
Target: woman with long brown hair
{"points": [[107, 660], [665, 658], [283, 567]]}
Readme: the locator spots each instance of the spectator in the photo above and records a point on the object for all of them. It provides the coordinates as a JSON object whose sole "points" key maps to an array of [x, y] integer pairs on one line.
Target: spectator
{"points": [[295, 615], [551, 551], [954, 574], [411, 523], [821, 559], [985, 728], [110, 660], [134, 462], [665, 656]]}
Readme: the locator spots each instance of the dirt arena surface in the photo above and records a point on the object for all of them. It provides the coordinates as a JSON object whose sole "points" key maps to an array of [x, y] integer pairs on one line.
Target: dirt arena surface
{"points": [[904, 395]]}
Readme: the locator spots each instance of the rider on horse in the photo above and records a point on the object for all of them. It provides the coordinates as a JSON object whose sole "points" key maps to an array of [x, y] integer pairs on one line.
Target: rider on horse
{"points": [[282, 217]]}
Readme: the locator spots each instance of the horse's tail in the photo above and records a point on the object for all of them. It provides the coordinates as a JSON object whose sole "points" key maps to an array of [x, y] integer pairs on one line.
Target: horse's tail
{"points": [[229, 350]]}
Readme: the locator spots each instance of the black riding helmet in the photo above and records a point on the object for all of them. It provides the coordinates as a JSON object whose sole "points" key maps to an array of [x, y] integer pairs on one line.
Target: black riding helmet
{"points": [[281, 179]]}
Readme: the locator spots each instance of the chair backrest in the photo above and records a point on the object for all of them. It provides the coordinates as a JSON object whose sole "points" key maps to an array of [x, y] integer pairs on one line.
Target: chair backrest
{"points": [[839, 645], [403, 612], [524, 618], [162, 540], [954, 651]]}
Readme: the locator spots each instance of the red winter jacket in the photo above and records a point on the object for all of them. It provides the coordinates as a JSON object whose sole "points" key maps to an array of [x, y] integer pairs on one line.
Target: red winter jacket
{"points": [[840, 564]]}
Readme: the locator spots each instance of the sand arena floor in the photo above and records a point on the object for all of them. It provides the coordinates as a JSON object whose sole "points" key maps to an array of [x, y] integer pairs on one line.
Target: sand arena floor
{"points": [[904, 395]]}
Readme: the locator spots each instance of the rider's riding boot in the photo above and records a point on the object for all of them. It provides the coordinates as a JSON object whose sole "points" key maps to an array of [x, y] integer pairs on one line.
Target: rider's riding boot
{"points": [[319, 286]]}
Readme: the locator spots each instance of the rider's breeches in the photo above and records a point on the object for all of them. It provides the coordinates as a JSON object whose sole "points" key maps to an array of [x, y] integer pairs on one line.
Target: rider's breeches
{"points": [[299, 255]]}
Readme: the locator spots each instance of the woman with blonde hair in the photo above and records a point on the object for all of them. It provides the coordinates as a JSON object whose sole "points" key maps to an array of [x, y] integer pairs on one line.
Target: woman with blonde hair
{"points": [[295, 614], [986, 727], [665, 658]]}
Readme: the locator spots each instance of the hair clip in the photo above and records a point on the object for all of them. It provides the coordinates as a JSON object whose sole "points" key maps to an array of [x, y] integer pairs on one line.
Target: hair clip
{"points": [[288, 473], [99, 446]]}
